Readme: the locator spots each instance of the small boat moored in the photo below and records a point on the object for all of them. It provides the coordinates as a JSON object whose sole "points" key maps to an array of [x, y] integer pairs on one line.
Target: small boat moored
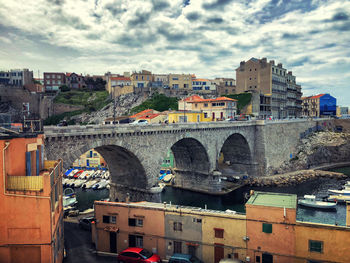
{"points": [[339, 198], [310, 201]]}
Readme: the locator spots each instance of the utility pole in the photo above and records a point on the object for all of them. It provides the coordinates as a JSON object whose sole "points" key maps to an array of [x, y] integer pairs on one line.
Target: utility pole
{"points": [[114, 105]]}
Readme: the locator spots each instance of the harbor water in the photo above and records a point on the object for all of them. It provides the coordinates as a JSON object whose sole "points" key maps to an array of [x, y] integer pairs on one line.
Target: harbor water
{"points": [[236, 199]]}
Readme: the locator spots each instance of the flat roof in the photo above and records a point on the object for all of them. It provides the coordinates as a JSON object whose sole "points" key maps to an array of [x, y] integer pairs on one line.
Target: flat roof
{"points": [[273, 199]]}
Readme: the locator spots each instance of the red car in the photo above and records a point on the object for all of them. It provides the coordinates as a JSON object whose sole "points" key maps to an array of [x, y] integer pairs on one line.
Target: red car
{"points": [[136, 254]]}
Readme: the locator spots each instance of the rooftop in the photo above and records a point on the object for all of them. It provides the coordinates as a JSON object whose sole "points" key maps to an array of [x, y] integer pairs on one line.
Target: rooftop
{"points": [[273, 199]]}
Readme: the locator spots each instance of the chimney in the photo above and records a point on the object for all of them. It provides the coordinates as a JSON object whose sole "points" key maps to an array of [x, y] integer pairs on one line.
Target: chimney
{"points": [[264, 60], [272, 62], [279, 65], [290, 73], [242, 63]]}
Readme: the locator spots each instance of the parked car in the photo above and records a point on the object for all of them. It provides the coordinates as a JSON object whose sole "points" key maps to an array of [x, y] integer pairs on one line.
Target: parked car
{"points": [[140, 122], [184, 258], [136, 254], [85, 222]]}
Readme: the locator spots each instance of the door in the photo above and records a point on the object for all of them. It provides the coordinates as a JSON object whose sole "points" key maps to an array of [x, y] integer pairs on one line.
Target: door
{"points": [[218, 252], [213, 116], [221, 115], [113, 242], [267, 258]]}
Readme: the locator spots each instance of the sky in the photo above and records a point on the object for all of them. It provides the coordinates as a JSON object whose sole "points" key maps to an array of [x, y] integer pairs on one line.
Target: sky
{"points": [[208, 38]]}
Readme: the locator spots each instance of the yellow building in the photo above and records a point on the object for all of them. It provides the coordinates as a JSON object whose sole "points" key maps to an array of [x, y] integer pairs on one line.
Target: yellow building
{"points": [[180, 81], [226, 233], [90, 159], [186, 116]]}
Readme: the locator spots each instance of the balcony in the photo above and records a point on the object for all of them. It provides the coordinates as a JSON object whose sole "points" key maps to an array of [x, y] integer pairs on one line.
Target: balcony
{"points": [[25, 183], [52, 170]]}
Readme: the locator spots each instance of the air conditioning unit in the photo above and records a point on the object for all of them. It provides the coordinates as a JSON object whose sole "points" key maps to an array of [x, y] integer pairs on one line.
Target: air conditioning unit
{"points": [[245, 238], [247, 259]]}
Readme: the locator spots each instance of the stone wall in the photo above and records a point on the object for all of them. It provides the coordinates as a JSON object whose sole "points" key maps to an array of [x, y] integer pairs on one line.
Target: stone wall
{"points": [[39, 104], [59, 108]]}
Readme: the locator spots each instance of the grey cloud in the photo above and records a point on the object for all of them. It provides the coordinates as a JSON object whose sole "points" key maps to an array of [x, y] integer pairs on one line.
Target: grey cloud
{"points": [[166, 31], [299, 62], [291, 36], [139, 19], [160, 5], [56, 2], [342, 26], [217, 4], [139, 38], [215, 20], [72, 21], [340, 16], [93, 36], [185, 48], [193, 16], [114, 9]]}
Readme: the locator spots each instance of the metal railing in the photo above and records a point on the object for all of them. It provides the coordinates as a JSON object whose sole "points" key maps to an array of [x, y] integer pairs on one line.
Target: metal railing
{"points": [[55, 169]]}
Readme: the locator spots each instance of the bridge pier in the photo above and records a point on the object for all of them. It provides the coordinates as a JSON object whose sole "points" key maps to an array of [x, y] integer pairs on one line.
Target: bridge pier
{"points": [[121, 193]]}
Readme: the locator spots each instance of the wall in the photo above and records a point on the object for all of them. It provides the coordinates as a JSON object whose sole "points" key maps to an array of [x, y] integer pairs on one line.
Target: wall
{"points": [[59, 108], [281, 242], [152, 230], [234, 230], [336, 242], [39, 105]]}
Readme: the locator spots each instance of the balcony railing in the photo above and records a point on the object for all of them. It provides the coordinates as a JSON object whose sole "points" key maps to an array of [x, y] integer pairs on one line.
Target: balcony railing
{"points": [[25, 183], [35, 183]]}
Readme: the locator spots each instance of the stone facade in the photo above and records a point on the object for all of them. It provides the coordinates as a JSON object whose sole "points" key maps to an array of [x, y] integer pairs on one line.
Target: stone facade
{"points": [[134, 153]]}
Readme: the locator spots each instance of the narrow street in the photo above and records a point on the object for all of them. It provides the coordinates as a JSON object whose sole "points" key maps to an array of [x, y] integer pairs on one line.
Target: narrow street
{"points": [[79, 247]]}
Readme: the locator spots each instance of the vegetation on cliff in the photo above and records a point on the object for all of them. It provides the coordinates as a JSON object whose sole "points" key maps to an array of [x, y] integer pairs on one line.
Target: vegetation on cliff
{"points": [[90, 100], [158, 102], [243, 100]]}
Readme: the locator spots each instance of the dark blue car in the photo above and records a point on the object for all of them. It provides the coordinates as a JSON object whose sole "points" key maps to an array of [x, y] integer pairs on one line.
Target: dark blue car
{"points": [[184, 258]]}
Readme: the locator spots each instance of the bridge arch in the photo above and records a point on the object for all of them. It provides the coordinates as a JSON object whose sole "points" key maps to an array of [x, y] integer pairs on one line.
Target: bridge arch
{"points": [[235, 156], [190, 155]]}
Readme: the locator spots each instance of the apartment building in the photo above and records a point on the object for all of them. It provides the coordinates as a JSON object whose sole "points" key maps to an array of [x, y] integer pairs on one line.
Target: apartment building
{"points": [[203, 85], [141, 79], [260, 76], [31, 226], [213, 109], [119, 86], [225, 86], [17, 77], [319, 106], [180, 81], [75, 81], [54, 80]]}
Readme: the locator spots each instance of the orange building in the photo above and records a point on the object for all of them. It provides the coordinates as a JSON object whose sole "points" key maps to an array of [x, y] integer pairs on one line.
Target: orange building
{"points": [[122, 225], [271, 221], [31, 226]]}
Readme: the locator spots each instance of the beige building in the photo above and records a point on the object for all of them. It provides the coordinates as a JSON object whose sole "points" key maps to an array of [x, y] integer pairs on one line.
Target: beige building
{"points": [[225, 86], [119, 85], [214, 109], [260, 76], [141, 79], [180, 81]]}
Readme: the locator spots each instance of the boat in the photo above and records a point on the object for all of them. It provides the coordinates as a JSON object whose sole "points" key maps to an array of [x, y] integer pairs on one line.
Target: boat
{"points": [[167, 179], [339, 198], [69, 197], [78, 183], [68, 172], [157, 189], [83, 175], [77, 174], [72, 173], [89, 184], [340, 192], [310, 201], [100, 185], [88, 175], [69, 182]]}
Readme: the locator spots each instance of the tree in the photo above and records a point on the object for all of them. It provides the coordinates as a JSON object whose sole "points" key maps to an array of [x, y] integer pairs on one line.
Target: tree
{"points": [[64, 88]]}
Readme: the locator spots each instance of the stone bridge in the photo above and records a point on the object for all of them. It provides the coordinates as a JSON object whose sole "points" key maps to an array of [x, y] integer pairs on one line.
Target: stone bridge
{"points": [[134, 153]]}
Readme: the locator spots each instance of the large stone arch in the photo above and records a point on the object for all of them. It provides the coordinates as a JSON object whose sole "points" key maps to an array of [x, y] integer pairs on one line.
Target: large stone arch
{"points": [[190, 155], [235, 157]]}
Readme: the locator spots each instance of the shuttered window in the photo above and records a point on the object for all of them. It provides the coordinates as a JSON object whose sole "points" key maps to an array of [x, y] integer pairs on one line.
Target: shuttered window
{"points": [[37, 162], [28, 164], [267, 228], [315, 246]]}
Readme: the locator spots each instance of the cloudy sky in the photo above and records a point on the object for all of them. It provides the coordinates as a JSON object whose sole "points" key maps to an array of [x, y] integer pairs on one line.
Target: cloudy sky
{"points": [[208, 38]]}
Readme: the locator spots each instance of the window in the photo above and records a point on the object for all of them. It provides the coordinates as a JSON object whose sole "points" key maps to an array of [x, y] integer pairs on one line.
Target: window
{"points": [[135, 241], [177, 247], [205, 115], [267, 228], [205, 104], [219, 232], [257, 259], [175, 78], [139, 222], [105, 219], [316, 246], [113, 219], [177, 226]]}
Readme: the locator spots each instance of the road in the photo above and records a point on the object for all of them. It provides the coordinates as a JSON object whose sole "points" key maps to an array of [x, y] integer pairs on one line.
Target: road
{"points": [[79, 247]]}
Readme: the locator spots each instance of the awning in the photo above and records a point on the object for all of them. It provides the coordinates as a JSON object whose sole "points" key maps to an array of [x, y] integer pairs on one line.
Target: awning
{"points": [[111, 229]]}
